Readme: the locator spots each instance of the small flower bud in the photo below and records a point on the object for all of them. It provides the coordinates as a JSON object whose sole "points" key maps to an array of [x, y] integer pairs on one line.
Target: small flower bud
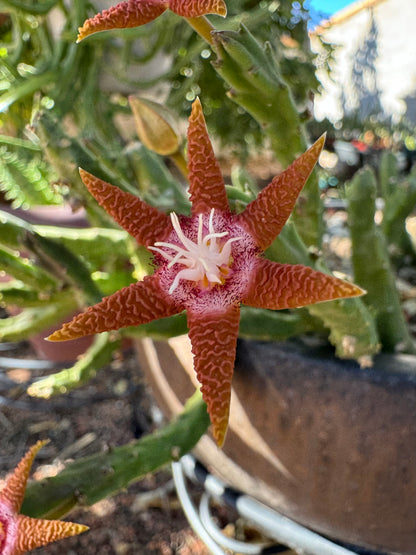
{"points": [[155, 126]]}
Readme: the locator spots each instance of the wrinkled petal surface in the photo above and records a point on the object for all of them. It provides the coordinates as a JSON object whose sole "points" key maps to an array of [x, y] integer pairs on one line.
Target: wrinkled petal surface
{"points": [[19, 533], [279, 286], [195, 8], [206, 184], [34, 532], [131, 13], [144, 222], [214, 341], [14, 490], [134, 13], [136, 304], [265, 216]]}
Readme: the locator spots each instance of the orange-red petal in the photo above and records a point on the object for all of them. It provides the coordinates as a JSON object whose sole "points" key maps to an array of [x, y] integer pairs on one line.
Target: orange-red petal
{"points": [[195, 8], [265, 216], [278, 286], [214, 340], [206, 184], [134, 13], [14, 490], [144, 222], [131, 13], [136, 304], [34, 532]]}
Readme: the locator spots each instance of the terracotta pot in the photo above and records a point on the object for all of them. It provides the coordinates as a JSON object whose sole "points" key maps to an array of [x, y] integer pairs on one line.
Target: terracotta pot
{"points": [[322, 441], [66, 351]]}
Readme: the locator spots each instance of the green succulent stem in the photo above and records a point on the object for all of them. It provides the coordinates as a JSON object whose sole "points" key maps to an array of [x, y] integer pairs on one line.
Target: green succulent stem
{"points": [[257, 85], [90, 479], [99, 354], [350, 323], [26, 88], [399, 195], [33, 320], [202, 26], [31, 8], [372, 268]]}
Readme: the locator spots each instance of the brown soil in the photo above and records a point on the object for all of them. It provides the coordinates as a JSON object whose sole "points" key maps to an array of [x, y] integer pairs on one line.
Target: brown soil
{"points": [[112, 409]]}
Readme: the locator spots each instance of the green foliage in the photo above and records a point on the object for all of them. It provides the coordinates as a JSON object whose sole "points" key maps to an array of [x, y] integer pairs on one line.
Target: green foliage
{"points": [[399, 195], [97, 356], [64, 106], [371, 264], [25, 179]]}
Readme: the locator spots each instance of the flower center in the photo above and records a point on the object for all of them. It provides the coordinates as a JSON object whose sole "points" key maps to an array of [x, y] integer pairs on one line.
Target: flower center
{"points": [[3, 533], [207, 261]]}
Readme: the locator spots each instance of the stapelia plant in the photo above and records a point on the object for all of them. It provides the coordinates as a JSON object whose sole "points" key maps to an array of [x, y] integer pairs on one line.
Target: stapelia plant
{"points": [[207, 264], [20, 533]]}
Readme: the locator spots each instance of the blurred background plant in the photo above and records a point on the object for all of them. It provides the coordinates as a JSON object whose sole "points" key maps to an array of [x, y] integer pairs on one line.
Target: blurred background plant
{"points": [[65, 105]]}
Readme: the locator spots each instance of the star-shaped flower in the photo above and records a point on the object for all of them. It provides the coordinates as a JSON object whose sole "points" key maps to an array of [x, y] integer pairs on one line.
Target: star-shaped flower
{"points": [[20, 533], [209, 263], [133, 13]]}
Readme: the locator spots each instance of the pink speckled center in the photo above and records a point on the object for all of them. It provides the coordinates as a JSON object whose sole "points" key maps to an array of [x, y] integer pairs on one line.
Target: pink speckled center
{"points": [[8, 529], [243, 258]]}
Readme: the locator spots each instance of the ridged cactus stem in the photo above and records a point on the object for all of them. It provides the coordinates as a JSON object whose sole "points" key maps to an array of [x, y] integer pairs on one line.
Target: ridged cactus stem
{"points": [[256, 84], [399, 195], [90, 479], [372, 268], [349, 322]]}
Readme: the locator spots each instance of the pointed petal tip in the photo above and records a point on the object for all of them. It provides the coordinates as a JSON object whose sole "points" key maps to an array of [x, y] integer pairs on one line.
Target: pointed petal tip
{"points": [[221, 9], [34, 532], [347, 289], [196, 106], [219, 432], [14, 490], [321, 141], [79, 528], [85, 176], [33, 451], [65, 333], [344, 290], [358, 291], [316, 149], [39, 444]]}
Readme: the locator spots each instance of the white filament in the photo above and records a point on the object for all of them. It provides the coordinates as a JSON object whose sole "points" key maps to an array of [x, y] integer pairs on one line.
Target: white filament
{"points": [[207, 260]]}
